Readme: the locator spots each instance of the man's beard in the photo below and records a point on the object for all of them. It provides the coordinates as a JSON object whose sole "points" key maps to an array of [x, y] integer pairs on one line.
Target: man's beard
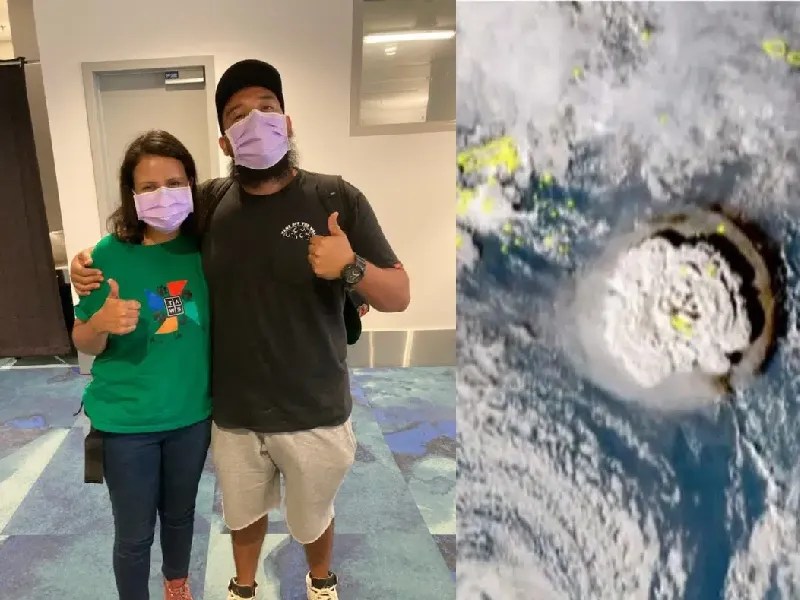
{"points": [[253, 177]]}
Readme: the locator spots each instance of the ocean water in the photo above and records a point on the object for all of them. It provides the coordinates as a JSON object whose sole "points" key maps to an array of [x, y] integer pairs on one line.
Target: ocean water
{"points": [[621, 111]]}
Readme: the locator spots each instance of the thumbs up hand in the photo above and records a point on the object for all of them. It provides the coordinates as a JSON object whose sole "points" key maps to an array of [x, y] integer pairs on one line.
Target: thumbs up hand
{"points": [[117, 316], [333, 225], [328, 255], [114, 293]]}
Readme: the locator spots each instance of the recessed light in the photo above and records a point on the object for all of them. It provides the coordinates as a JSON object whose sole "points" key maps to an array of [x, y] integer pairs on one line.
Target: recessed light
{"points": [[409, 36]]}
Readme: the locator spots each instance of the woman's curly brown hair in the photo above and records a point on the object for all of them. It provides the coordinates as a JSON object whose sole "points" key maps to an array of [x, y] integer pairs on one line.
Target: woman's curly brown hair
{"points": [[124, 222]]}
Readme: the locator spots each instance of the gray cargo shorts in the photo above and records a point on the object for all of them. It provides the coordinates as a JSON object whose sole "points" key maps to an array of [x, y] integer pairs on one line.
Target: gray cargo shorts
{"points": [[313, 464]]}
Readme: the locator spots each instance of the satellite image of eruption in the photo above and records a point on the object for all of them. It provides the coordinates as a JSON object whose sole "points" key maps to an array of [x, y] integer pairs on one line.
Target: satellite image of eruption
{"points": [[628, 247]]}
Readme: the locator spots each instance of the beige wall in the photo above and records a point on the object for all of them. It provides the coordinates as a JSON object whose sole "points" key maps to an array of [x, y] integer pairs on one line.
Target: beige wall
{"points": [[409, 179], [6, 47], [44, 149], [20, 14]]}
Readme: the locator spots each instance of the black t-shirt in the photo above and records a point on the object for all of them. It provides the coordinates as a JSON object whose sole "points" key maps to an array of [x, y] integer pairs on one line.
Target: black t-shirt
{"points": [[279, 341]]}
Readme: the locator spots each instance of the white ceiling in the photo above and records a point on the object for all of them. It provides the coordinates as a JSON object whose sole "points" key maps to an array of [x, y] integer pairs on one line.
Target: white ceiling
{"points": [[5, 26], [395, 77]]}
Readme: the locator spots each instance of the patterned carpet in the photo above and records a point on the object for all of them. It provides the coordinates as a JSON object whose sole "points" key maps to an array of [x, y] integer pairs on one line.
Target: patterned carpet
{"points": [[395, 514]]}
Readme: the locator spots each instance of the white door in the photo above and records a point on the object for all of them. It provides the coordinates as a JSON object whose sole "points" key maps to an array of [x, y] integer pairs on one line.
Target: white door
{"points": [[133, 102]]}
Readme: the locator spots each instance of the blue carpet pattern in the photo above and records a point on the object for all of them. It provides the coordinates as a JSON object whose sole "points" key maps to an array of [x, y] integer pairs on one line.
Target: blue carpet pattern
{"points": [[395, 514]]}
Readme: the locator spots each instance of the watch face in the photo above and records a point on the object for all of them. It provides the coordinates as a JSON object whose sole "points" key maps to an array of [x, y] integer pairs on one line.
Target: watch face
{"points": [[353, 273]]}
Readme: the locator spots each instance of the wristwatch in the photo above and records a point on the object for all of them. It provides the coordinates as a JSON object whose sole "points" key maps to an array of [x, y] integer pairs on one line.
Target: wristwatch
{"points": [[354, 272]]}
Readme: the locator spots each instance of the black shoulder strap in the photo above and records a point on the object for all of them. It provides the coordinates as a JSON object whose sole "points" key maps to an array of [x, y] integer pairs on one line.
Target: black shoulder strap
{"points": [[331, 194], [213, 191]]}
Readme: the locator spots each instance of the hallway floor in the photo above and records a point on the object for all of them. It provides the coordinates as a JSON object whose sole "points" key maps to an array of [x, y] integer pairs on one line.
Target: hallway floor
{"points": [[395, 514]]}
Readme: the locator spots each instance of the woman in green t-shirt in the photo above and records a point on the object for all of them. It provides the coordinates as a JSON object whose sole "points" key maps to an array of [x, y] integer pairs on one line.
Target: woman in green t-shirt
{"points": [[148, 326]]}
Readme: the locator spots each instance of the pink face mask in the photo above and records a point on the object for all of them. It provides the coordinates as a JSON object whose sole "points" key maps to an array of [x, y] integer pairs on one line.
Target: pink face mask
{"points": [[259, 140], [164, 209]]}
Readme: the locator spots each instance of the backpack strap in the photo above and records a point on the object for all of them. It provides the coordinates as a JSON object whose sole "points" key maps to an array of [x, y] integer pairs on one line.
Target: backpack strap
{"points": [[212, 192], [331, 194]]}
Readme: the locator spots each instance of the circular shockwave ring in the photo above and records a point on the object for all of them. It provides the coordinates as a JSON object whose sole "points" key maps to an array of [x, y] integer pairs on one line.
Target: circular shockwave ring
{"points": [[701, 294]]}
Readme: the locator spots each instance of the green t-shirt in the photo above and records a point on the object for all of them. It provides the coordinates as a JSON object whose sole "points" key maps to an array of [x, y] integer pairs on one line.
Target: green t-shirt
{"points": [[157, 377]]}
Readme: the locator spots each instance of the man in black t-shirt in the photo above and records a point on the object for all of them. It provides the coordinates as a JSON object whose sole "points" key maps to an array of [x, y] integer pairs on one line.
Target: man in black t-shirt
{"points": [[281, 248]]}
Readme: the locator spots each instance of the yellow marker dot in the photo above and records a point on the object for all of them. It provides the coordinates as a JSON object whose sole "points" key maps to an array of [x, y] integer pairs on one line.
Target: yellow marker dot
{"points": [[459, 241], [793, 58], [563, 248], [518, 241], [712, 270], [548, 241], [504, 248], [547, 178], [577, 72], [507, 228], [463, 199], [646, 34], [495, 154], [663, 118], [683, 271], [554, 213], [487, 205], [681, 325], [775, 48], [721, 229], [570, 203]]}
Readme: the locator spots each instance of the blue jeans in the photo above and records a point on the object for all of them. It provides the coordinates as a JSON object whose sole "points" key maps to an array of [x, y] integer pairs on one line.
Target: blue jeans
{"points": [[149, 474]]}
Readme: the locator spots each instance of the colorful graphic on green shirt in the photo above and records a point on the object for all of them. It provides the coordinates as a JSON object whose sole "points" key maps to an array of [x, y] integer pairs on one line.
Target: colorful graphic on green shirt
{"points": [[157, 377], [171, 305]]}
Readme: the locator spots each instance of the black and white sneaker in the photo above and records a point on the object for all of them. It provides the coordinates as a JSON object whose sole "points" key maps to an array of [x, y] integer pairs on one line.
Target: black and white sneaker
{"points": [[322, 589], [241, 592]]}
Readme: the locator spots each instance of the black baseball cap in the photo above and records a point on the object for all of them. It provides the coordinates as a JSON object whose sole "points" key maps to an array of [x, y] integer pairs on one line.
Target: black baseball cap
{"points": [[244, 74]]}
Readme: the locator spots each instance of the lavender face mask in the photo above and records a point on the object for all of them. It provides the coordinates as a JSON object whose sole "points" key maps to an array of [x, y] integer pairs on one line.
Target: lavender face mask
{"points": [[164, 209], [259, 140]]}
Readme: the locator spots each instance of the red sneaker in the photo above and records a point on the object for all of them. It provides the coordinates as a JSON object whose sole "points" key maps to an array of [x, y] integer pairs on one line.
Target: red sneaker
{"points": [[177, 589]]}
